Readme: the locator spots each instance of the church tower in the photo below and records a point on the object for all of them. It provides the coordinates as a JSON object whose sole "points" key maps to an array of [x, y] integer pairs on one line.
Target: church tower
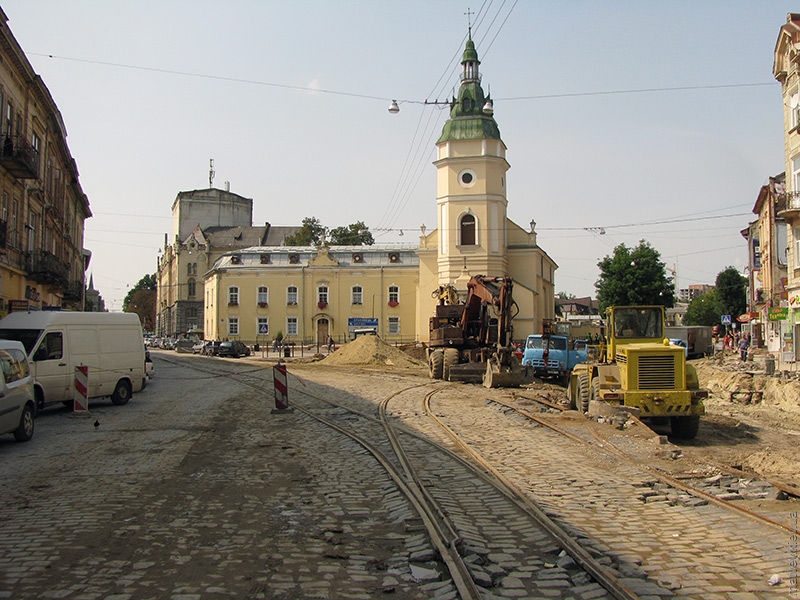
{"points": [[471, 183]]}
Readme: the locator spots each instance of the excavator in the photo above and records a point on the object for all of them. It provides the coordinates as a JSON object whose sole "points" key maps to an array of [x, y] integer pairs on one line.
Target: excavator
{"points": [[471, 341]]}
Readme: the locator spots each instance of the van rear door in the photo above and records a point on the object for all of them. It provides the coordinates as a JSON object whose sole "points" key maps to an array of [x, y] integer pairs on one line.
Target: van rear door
{"points": [[51, 368]]}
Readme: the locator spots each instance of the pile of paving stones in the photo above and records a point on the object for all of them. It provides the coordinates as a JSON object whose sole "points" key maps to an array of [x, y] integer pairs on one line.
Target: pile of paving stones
{"points": [[724, 487]]}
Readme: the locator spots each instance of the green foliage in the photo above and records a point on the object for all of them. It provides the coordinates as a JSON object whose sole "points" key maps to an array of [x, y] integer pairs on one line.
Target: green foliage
{"points": [[148, 282], [732, 290], [355, 234], [634, 276], [705, 309], [310, 233]]}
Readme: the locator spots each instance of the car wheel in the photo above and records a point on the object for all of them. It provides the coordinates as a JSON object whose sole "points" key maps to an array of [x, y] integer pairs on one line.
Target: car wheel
{"points": [[24, 431], [122, 393]]}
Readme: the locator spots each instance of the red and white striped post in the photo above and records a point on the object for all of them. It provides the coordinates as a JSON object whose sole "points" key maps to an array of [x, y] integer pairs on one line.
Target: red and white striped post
{"points": [[281, 389], [81, 395]]}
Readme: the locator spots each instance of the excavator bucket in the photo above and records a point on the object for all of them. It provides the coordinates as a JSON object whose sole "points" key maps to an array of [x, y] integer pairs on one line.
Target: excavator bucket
{"points": [[500, 375]]}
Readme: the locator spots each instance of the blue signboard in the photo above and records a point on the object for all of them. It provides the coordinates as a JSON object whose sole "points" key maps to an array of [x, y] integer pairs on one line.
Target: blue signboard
{"points": [[263, 328], [726, 319], [362, 322]]}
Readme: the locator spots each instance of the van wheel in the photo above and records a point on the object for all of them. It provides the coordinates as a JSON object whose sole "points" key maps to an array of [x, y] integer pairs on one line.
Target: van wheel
{"points": [[122, 393], [38, 396], [24, 431]]}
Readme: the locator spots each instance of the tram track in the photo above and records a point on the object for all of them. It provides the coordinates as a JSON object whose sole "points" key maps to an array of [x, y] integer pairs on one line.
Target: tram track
{"points": [[606, 445], [403, 471]]}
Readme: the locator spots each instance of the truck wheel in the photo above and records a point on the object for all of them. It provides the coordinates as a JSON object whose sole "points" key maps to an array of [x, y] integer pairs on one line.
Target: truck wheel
{"points": [[595, 393], [436, 364], [582, 399], [26, 424], [685, 427], [450, 360], [122, 393]]}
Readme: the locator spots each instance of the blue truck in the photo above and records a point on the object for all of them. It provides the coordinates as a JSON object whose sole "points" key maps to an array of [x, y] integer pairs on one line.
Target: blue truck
{"points": [[562, 356]]}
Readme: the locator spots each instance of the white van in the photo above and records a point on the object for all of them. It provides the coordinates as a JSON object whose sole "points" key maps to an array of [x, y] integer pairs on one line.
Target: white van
{"points": [[110, 344]]}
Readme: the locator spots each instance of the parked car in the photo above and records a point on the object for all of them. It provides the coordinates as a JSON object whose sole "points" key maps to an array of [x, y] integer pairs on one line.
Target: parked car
{"points": [[234, 349], [17, 407], [198, 347], [211, 348]]}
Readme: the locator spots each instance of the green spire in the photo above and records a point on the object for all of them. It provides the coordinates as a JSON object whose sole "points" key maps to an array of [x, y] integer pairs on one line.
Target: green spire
{"points": [[467, 120]]}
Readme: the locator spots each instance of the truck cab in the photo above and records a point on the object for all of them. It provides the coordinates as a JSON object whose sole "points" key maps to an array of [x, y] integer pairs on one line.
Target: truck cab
{"points": [[639, 368], [562, 355]]}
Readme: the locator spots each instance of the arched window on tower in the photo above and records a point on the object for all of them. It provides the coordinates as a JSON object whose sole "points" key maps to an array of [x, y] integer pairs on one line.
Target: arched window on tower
{"points": [[467, 230]]}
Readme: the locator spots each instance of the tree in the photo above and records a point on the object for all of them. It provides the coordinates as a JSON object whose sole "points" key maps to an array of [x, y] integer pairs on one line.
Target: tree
{"points": [[141, 299], [310, 233], [355, 234], [732, 291], [634, 276], [704, 309]]}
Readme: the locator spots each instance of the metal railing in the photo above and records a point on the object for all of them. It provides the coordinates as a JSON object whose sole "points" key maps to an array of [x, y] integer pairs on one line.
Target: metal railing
{"points": [[19, 157]]}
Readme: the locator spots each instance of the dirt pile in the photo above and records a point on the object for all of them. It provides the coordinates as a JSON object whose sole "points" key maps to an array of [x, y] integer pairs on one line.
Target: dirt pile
{"points": [[721, 382], [370, 350]]}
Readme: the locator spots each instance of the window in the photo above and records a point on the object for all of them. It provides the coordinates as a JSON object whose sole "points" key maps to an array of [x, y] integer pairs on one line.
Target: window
{"points": [[263, 326], [13, 364], [394, 294], [358, 295], [236, 259], [796, 174], [394, 325], [263, 295], [191, 268], [797, 247], [294, 259], [51, 347], [291, 325], [794, 107], [191, 285], [233, 295], [322, 294], [265, 259], [233, 326], [291, 295], [467, 230]]}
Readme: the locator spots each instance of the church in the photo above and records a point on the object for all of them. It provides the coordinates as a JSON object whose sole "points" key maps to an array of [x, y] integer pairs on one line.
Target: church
{"points": [[310, 294]]}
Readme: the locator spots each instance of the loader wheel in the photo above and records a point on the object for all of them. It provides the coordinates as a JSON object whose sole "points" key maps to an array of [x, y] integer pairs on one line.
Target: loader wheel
{"points": [[582, 399], [685, 427], [450, 360], [595, 393], [436, 364]]}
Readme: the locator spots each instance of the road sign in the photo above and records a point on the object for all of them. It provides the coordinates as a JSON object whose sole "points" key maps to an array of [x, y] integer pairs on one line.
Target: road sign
{"points": [[726, 319], [263, 328], [81, 397]]}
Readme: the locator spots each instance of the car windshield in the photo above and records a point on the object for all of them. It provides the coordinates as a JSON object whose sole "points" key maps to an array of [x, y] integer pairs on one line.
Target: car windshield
{"points": [[556, 343], [28, 337], [226, 344], [637, 323]]}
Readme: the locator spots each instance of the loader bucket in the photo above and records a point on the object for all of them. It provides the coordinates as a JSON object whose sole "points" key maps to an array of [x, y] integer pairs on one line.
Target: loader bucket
{"points": [[497, 375]]}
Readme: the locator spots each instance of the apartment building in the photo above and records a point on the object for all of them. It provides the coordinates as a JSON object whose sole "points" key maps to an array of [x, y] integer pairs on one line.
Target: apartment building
{"points": [[786, 69], [42, 205]]}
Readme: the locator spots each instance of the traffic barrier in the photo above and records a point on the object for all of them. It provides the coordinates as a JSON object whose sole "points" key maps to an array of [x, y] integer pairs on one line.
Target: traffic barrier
{"points": [[80, 404], [281, 389]]}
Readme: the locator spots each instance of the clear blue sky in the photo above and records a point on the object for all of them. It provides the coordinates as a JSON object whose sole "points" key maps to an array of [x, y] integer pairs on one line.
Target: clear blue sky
{"points": [[140, 136]]}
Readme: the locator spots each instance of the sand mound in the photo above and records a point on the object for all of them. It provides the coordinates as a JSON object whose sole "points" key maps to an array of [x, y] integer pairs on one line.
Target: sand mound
{"points": [[719, 381], [371, 350]]}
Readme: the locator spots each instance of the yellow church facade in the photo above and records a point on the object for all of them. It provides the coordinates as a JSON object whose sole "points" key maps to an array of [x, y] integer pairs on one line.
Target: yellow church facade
{"points": [[394, 285]]}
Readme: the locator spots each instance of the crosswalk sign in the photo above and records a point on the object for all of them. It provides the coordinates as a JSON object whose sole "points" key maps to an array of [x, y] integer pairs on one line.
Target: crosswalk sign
{"points": [[263, 328], [726, 319]]}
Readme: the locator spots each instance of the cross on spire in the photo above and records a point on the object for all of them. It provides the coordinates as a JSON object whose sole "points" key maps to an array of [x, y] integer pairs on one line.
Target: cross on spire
{"points": [[469, 14]]}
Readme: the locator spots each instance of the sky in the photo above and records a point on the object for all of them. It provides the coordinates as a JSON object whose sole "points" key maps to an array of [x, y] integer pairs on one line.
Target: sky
{"points": [[290, 100]]}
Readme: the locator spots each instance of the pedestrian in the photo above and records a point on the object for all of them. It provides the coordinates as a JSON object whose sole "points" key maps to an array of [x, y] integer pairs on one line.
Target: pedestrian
{"points": [[743, 345], [330, 344], [275, 345]]}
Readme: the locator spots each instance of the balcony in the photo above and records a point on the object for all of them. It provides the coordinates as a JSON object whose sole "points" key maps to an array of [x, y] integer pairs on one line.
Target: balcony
{"points": [[18, 157], [48, 269], [788, 205], [73, 291]]}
